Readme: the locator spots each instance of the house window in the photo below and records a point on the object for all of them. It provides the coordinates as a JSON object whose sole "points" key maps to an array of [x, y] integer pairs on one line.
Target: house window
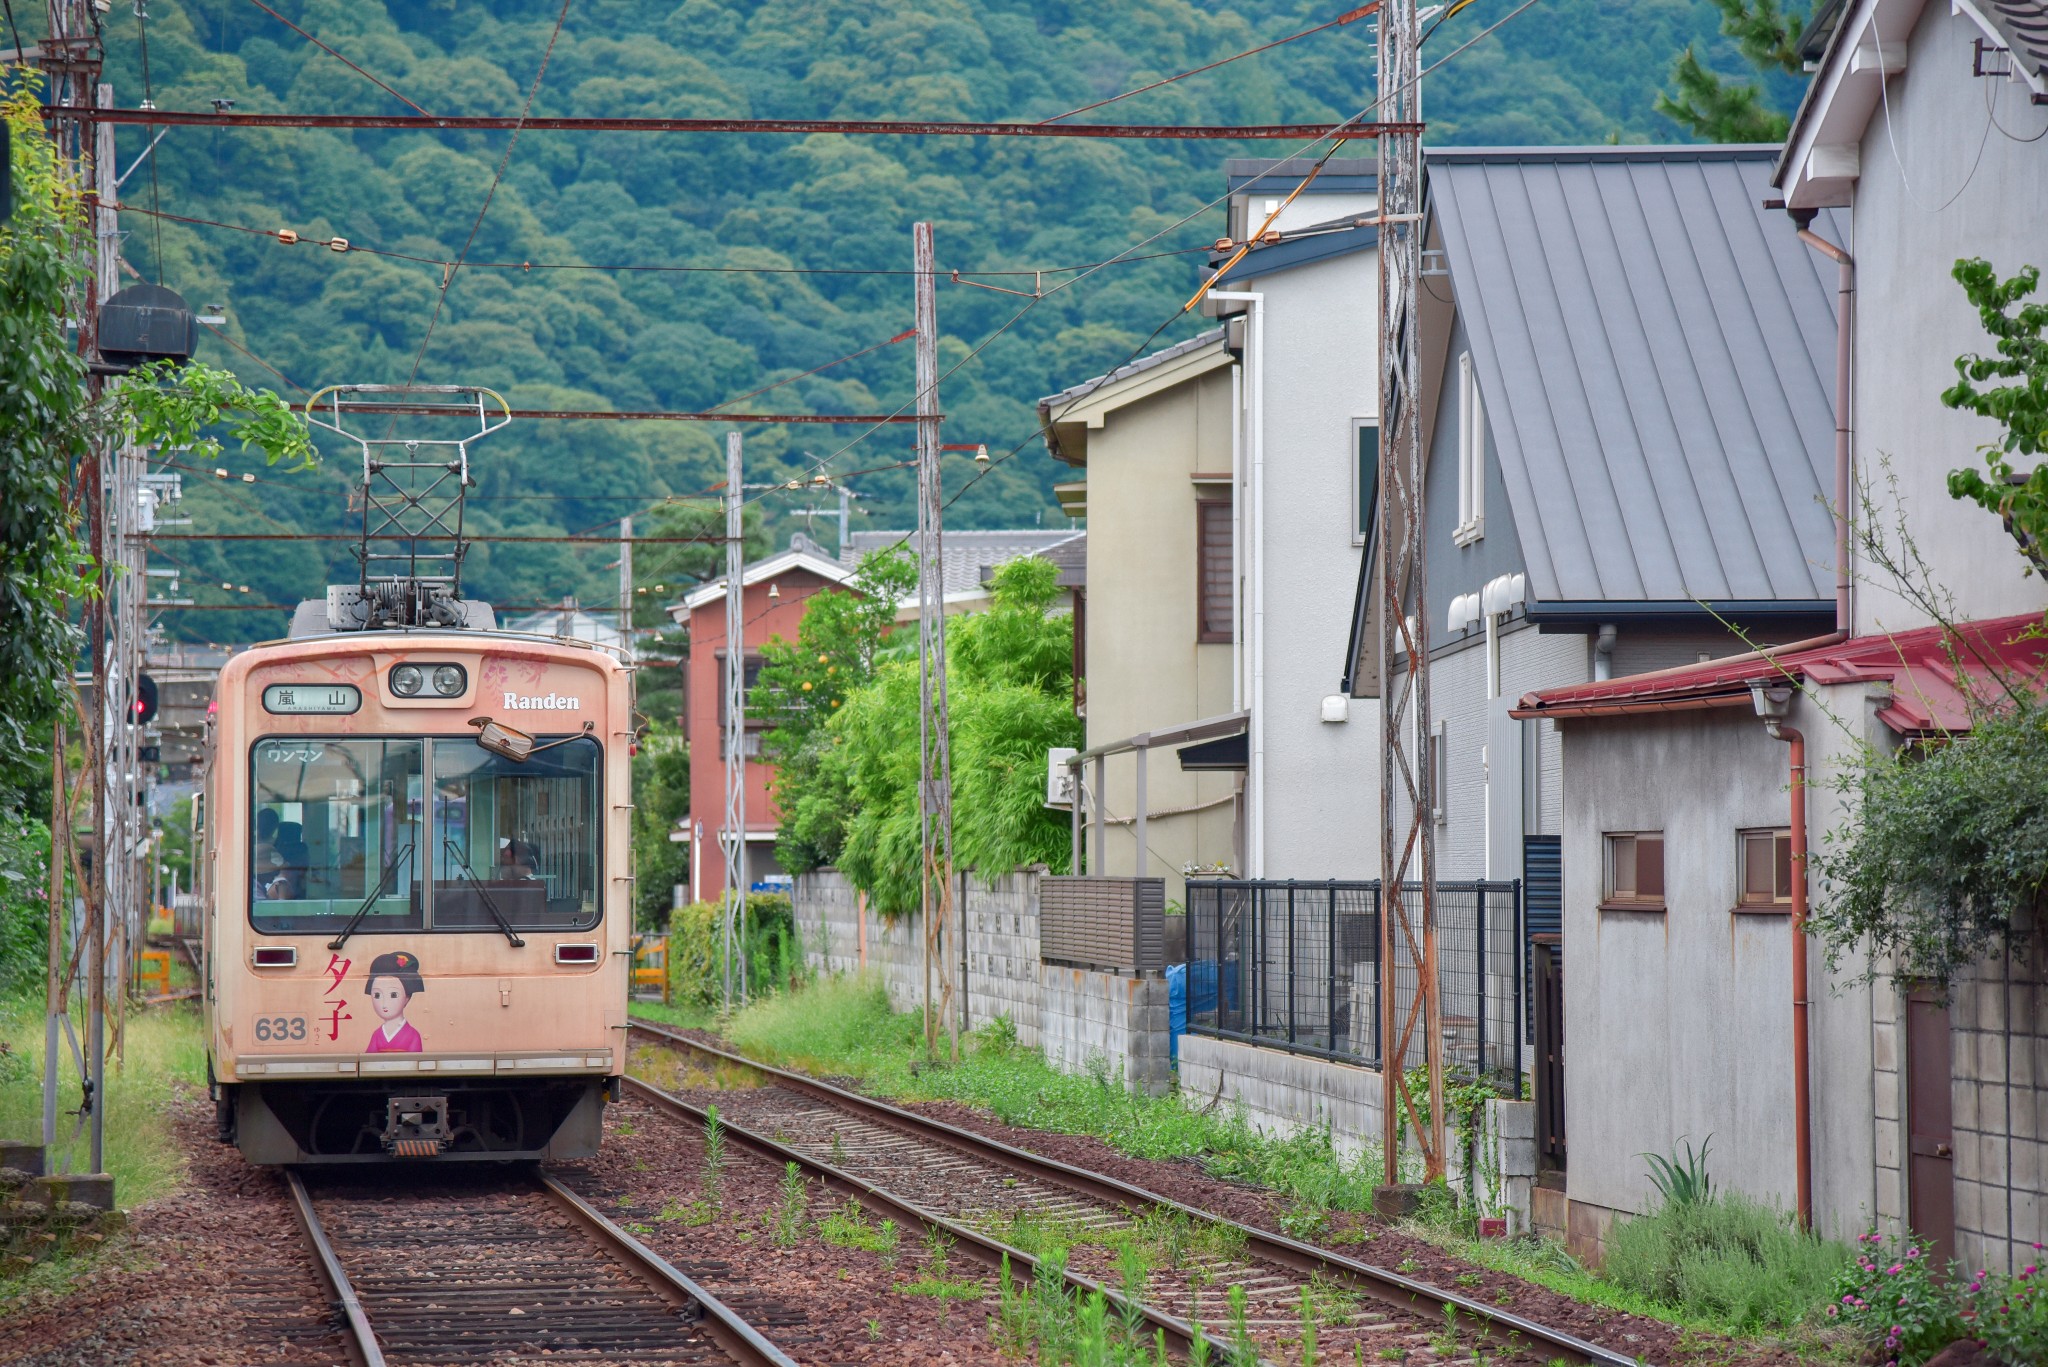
{"points": [[1471, 456], [1766, 870], [1635, 871], [1213, 580], [1365, 475], [756, 720]]}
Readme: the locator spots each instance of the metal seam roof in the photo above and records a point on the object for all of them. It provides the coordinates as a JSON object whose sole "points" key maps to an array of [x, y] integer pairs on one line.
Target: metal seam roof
{"points": [[1656, 358]]}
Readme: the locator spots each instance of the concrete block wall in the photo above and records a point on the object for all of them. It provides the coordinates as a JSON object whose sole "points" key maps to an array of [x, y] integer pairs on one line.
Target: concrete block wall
{"points": [[1002, 952], [1283, 1093], [828, 916], [1089, 1017], [1998, 1037]]}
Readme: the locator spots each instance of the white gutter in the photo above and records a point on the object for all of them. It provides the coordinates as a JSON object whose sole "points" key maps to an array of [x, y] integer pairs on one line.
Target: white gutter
{"points": [[1254, 518]]}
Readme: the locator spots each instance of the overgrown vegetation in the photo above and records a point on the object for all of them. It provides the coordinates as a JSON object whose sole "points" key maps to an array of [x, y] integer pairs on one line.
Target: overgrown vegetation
{"points": [[163, 1051], [1725, 1259], [1946, 861], [1011, 681], [844, 1027], [804, 683], [1716, 108], [1905, 1308], [772, 953]]}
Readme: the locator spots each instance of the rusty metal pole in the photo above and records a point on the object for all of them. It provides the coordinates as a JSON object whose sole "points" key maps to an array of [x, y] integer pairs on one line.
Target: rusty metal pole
{"points": [[935, 767], [1407, 797]]}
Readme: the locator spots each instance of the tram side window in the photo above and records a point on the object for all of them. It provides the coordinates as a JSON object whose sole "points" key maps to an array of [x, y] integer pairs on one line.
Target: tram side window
{"points": [[334, 826], [520, 837]]}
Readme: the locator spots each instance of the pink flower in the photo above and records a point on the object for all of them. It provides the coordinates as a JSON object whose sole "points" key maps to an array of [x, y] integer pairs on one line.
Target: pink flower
{"points": [[1895, 1269], [2027, 1271], [1848, 1299]]}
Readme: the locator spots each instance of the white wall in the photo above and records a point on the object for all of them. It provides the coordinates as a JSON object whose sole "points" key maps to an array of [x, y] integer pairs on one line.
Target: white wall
{"points": [[1321, 817], [1927, 196]]}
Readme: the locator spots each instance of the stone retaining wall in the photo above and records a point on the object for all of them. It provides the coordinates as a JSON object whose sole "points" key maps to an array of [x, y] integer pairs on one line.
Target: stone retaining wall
{"points": [[1284, 1093], [1090, 1020]]}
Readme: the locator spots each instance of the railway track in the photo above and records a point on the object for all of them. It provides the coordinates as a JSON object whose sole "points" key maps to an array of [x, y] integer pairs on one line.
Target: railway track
{"points": [[468, 1268], [998, 1201]]}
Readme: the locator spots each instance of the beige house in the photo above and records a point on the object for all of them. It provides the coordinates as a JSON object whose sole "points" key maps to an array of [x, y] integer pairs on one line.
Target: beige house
{"points": [[1158, 618]]}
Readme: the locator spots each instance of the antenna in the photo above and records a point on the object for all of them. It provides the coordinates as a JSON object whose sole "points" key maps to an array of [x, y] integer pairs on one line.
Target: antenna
{"points": [[409, 560]]}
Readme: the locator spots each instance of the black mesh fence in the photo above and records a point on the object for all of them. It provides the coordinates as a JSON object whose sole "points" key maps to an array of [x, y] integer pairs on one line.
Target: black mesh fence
{"points": [[1296, 965]]}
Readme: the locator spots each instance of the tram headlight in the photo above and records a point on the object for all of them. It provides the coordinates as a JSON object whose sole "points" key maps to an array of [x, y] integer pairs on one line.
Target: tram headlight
{"points": [[449, 680], [406, 681]]}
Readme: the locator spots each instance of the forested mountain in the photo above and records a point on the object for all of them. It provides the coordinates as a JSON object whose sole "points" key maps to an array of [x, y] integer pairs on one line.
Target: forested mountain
{"points": [[781, 234]]}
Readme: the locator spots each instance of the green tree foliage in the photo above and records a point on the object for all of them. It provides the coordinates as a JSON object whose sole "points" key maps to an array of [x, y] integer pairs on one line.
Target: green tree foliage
{"points": [[2019, 496], [51, 423], [44, 430], [1568, 71], [1946, 860], [1715, 107], [662, 573], [803, 684], [661, 803], [1011, 699]]}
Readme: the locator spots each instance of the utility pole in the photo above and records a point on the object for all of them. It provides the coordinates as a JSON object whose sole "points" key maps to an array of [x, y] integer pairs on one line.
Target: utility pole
{"points": [[626, 587], [734, 921], [70, 58], [935, 753], [1407, 779]]}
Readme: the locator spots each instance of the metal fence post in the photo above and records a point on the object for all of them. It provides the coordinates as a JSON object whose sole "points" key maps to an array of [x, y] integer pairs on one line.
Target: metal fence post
{"points": [[1291, 978], [1481, 975], [1521, 952], [1379, 975], [1330, 969]]}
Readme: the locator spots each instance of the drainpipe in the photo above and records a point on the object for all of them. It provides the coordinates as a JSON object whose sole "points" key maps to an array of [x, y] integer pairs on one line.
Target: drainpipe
{"points": [[1773, 702], [1845, 295], [1603, 653], [1253, 524]]}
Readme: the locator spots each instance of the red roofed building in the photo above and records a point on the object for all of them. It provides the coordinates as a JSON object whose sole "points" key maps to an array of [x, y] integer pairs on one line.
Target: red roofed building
{"points": [[1683, 827]]}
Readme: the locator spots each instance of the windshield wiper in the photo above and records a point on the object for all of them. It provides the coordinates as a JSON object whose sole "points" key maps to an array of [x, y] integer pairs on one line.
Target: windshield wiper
{"points": [[484, 893], [364, 910]]}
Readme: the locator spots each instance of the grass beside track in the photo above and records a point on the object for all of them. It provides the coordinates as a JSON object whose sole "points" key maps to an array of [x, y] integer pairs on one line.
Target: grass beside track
{"points": [[844, 1027], [164, 1048]]}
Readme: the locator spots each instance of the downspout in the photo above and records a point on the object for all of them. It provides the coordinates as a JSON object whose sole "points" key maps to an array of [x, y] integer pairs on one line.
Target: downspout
{"points": [[1253, 523], [1773, 701], [1845, 295], [1603, 653]]}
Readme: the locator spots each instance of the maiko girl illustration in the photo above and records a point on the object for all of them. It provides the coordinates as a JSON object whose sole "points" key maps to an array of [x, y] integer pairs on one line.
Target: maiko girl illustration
{"points": [[394, 981]]}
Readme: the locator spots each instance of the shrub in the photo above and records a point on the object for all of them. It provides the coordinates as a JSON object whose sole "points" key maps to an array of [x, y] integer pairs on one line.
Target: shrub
{"points": [[773, 954], [2010, 1314], [1725, 1258], [1893, 1297]]}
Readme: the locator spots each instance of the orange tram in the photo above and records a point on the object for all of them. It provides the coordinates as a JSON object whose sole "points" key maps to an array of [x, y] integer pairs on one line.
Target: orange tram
{"points": [[417, 942]]}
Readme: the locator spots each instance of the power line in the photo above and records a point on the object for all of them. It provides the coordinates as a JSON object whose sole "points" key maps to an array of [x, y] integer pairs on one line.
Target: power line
{"points": [[1162, 132], [1359, 13], [632, 415], [557, 540], [448, 274], [344, 245], [336, 56]]}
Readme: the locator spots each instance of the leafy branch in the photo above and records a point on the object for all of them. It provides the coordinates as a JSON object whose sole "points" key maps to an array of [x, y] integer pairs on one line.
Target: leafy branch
{"points": [[1709, 105], [2019, 496]]}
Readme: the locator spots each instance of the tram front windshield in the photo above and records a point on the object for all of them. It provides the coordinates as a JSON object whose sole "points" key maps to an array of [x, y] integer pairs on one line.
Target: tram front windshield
{"points": [[422, 834]]}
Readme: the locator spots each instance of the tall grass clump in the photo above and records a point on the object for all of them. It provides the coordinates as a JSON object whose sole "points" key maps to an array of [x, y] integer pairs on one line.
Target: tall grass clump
{"points": [[164, 1048], [1726, 1259]]}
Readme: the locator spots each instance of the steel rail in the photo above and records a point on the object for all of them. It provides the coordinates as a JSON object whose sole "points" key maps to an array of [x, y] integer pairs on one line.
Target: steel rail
{"points": [[886, 1204], [1179, 132], [1381, 1284], [741, 1341], [363, 1348]]}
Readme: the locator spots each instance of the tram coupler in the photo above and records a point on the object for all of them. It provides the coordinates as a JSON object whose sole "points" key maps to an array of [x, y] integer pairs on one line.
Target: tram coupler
{"points": [[416, 1126]]}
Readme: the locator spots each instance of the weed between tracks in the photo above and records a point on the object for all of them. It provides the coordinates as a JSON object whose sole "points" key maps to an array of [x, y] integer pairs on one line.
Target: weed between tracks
{"points": [[844, 1027]]}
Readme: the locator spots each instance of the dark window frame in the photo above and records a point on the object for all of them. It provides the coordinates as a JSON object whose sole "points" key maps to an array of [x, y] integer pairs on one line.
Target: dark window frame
{"points": [[1205, 633], [1635, 896]]}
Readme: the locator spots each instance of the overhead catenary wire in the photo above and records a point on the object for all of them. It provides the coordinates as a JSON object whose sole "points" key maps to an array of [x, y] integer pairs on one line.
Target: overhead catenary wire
{"points": [[366, 75], [346, 245], [449, 273], [1338, 131], [1361, 12]]}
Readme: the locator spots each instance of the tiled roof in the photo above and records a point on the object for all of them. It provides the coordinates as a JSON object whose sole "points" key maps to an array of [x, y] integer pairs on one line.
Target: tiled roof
{"points": [[1928, 689]]}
